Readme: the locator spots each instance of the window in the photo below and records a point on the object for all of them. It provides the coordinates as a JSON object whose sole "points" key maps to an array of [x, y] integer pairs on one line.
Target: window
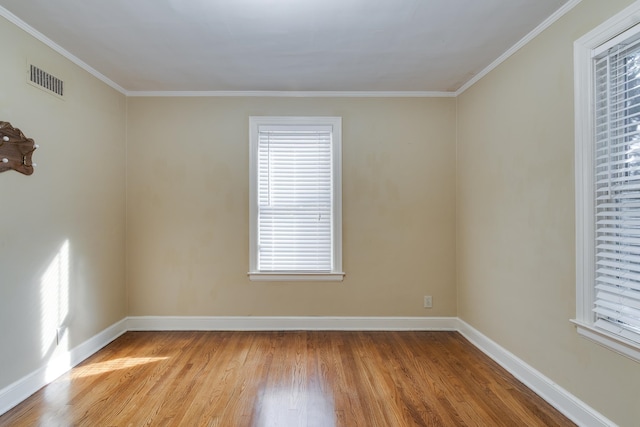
{"points": [[295, 198], [607, 67]]}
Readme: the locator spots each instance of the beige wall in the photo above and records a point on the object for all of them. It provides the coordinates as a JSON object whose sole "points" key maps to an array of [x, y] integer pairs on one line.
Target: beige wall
{"points": [[515, 198], [187, 211], [74, 196], [188, 201]]}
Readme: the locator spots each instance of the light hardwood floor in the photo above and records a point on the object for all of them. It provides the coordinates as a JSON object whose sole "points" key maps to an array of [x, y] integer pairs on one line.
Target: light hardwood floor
{"points": [[283, 379]]}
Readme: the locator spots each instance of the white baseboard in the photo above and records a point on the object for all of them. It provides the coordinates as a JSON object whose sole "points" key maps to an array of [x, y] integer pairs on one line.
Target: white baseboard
{"points": [[15, 393], [565, 402], [250, 323]]}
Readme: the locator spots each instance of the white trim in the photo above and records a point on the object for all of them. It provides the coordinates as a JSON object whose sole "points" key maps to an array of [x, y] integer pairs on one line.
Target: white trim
{"points": [[572, 407], [335, 124], [292, 277], [583, 145], [583, 49], [294, 94], [62, 51], [565, 402], [311, 323], [615, 25], [612, 342], [15, 393], [520, 44]]}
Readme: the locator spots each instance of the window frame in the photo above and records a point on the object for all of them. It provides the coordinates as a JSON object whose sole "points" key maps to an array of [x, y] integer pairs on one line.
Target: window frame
{"points": [[608, 34], [336, 168]]}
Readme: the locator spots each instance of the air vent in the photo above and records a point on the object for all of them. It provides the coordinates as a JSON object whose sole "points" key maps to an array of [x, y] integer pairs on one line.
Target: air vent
{"points": [[46, 81]]}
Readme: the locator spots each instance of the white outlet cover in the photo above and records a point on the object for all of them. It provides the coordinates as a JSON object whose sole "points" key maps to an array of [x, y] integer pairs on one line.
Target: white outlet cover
{"points": [[428, 302]]}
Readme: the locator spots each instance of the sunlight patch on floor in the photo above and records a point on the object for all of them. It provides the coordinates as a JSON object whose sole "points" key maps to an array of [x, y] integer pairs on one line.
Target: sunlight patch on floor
{"points": [[112, 365]]}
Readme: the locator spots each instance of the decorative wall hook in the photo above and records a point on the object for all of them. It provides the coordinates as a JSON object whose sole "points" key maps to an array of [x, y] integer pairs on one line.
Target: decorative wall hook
{"points": [[15, 150]]}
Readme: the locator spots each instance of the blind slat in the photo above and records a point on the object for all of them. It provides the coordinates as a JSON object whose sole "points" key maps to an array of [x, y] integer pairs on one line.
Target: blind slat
{"points": [[295, 183], [617, 191], [623, 283], [631, 297]]}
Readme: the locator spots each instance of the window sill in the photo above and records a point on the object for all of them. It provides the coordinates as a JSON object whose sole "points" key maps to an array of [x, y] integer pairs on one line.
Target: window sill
{"points": [[297, 277], [608, 340]]}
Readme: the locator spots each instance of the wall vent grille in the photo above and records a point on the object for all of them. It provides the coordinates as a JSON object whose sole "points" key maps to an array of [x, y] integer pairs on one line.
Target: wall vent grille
{"points": [[45, 80]]}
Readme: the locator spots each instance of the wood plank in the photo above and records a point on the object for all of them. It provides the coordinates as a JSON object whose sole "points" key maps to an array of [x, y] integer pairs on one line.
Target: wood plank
{"points": [[299, 378]]}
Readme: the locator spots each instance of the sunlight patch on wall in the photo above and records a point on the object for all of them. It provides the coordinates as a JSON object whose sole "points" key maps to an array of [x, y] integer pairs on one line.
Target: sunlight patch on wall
{"points": [[54, 302]]}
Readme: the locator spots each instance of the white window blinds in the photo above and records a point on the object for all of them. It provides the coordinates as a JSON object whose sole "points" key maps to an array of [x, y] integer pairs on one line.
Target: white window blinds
{"points": [[295, 198], [617, 190]]}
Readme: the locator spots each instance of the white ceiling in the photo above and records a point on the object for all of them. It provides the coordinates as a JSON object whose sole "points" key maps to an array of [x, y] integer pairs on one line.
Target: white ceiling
{"points": [[285, 45]]}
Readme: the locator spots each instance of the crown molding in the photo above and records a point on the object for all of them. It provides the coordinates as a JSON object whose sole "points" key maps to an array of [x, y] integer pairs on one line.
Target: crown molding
{"points": [[520, 44], [294, 94], [56, 47]]}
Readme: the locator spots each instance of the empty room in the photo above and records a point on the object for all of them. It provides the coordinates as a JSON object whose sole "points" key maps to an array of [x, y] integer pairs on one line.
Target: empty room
{"points": [[320, 213]]}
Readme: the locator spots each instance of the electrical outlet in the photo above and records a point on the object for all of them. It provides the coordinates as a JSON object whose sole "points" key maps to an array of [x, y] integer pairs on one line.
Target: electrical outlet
{"points": [[428, 303]]}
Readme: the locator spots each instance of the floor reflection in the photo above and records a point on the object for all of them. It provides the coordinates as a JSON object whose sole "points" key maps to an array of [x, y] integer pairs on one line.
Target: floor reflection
{"points": [[291, 406]]}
